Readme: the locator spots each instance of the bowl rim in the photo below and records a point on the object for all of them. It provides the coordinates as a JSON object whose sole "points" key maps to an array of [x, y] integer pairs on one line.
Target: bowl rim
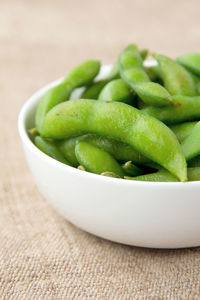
{"points": [[25, 110]]}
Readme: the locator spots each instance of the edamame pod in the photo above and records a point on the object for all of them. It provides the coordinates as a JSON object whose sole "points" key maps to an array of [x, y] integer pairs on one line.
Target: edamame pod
{"points": [[79, 76], [83, 74], [120, 151], [114, 73], [159, 176], [134, 76], [184, 109], [191, 145], [183, 130], [196, 80], [92, 91], [176, 79], [152, 93], [116, 90], [131, 170], [130, 59], [154, 73], [50, 149], [191, 61], [133, 73], [96, 160], [165, 176], [121, 122]]}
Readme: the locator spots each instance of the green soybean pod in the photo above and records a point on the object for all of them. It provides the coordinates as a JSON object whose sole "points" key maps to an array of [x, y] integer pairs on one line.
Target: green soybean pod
{"points": [[134, 76], [116, 90], [176, 79], [154, 73], [152, 93], [114, 73], [92, 91], [79, 76], [184, 109], [191, 61], [96, 160], [130, 59], [120, 151], [183, 130], [133, 73], [196, 80], [165, 176], [159, 176], [191, 145], [121, 122], [132, 170], [194, 174], [50, 149]]}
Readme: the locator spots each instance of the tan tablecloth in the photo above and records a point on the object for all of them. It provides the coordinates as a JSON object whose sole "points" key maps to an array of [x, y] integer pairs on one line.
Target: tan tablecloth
{"points": [[42, 256]]}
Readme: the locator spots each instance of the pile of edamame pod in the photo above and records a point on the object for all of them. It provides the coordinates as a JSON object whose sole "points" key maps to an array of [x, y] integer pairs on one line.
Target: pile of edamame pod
{"points": [[138, 123]]}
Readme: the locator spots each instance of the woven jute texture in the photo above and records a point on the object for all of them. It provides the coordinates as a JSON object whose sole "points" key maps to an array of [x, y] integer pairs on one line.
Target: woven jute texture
{"points": [[42, 256]]}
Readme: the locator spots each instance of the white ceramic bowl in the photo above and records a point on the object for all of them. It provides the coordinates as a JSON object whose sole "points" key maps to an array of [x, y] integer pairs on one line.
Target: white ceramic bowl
{"points": [[147, 214]]}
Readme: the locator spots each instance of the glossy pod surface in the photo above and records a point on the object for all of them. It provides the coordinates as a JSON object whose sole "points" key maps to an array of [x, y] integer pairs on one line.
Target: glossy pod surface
{"points": [[50, 149], [121, 122], [81, 75], [116, 90], [176, 79], [185, 109], [191, 61], [96, 160], [121, 151]]}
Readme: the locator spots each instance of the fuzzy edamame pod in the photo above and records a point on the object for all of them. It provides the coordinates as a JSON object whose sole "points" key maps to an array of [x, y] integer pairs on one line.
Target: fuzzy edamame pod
{"points": [[114, 73], [151, 93], [96, 160], [196, 80], [92, 91], [184, 109], [191, 61], [50, 149], [81, 75], [154, 73], [176, 79], [116, 90], [121, 122], [191, 145], [164, 176], [120, 151], [159, 176], [183, 130], [133, 73]]}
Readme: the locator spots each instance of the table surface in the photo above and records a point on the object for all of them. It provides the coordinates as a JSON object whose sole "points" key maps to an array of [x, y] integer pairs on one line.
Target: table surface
{"points": [[42, 256]]}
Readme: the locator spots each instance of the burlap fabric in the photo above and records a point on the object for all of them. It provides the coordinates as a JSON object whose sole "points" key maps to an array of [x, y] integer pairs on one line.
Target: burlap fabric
{"points": [[42, 256]]}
